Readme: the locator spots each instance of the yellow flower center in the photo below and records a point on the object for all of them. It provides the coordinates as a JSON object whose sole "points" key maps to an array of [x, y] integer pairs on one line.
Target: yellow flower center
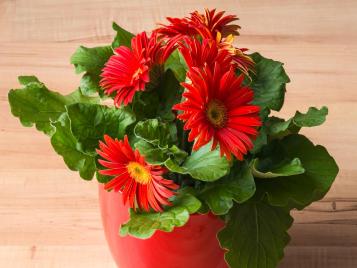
{"points": [[216, 113], [137, 74], [138, 172]]}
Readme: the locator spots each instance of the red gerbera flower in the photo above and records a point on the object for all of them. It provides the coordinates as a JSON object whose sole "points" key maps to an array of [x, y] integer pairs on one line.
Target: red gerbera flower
{"points": [[207, 25], [142, 184], [177, 27], [197, 53], [128, 70], [217, 107]]}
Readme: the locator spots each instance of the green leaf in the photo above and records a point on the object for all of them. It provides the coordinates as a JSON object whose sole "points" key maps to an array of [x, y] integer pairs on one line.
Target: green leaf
{"points": [[268, 83], [77, 97], [24, 80], [294, 167], [89, 85], [158, 98], [66, 145], [91, 61], [255, 235], [262, 138], [102, 178], [122, 38], [156, 132], [145, 105], [177, 154], [204, 165], [177, 64], [314, 117], [299, 191], [237, 186], [156, 141], [36, 104], [158, 156], [144, 225], [89, 123], [260, 141], [170, 93], [153, 154]]}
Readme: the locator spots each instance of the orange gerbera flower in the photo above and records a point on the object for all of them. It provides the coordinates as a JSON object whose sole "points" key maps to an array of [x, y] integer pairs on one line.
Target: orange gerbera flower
{"points": [[142, 184]]}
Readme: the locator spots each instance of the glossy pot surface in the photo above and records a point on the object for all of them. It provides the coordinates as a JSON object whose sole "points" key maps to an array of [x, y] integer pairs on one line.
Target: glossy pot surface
{"points": [[192, 246]]}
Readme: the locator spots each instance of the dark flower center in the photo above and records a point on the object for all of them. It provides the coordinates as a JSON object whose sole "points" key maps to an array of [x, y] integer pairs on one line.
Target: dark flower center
{"points": [[216, 113]]}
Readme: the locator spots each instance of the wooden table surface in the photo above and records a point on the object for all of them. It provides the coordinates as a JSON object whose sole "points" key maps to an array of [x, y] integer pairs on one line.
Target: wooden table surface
{"points": [[50, 218]]}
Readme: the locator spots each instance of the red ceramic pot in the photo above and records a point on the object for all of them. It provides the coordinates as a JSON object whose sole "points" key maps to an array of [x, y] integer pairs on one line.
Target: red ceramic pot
{"points": [[192, 246]]}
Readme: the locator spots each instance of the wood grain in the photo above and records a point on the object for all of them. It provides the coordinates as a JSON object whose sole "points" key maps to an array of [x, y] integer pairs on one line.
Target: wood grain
{"points": [[50, 218]]}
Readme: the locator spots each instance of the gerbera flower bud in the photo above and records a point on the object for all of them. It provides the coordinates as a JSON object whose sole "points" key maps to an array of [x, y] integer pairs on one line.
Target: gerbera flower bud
{"points": [[242, 61], [141, 184], [217, 108], [130, 70], [197, 54], [211, 23], [206, 25]]}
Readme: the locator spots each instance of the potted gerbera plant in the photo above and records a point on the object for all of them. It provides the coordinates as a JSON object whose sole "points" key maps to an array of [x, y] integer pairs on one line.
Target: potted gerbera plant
{"points": [[188, 149]]}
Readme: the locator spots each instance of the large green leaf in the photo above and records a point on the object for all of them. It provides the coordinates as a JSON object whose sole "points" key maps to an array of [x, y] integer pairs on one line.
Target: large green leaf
{"points": [[158, 155], [170, 93], [91, 61], [89, 85], [89, 123], [122, 38], [282, 169], [203, 164], [24, 80], [153, 154], [156, 132], [268, 82], [262, 138], [66, 145], [36, 104], [145, 105], [237, 186], [255, 235], [260, 141], [299, 191], [158, 98], [314, 117], [144, 225], [156, 141], [177, 64]]}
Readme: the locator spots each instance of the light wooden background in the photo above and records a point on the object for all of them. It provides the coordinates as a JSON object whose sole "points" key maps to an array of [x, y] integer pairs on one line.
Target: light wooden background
{"points": [[50, 218]]}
